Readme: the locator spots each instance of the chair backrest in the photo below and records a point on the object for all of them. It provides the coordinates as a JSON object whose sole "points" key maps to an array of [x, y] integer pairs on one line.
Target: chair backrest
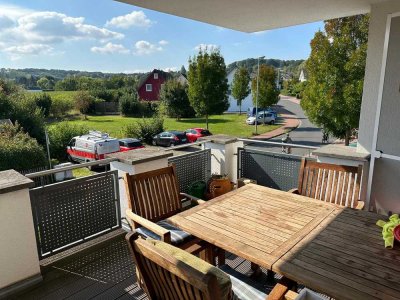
{"points": [[164, 277], [154, 195], [330, 183]]}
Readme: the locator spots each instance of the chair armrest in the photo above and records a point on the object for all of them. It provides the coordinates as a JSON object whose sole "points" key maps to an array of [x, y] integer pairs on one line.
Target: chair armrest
{"points": [[360, 205], [294, 191], [193, 199], [162, 232]]}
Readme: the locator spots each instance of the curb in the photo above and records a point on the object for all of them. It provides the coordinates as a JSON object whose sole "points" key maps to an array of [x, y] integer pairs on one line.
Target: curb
{"points": [[279, 131]]}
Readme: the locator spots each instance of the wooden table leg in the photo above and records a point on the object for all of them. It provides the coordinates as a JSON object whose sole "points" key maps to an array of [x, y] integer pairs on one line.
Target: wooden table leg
{"points": [[221, 256]]}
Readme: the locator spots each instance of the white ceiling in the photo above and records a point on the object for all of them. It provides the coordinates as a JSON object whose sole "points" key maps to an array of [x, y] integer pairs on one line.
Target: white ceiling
{"points": [[257, 15]]}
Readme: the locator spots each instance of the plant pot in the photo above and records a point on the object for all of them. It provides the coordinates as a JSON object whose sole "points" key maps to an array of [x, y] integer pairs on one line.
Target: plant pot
{"points": [[218, 187]]}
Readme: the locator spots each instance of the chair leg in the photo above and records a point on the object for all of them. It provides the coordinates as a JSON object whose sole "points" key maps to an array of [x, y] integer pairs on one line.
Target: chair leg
{"points": [[256, 270]]}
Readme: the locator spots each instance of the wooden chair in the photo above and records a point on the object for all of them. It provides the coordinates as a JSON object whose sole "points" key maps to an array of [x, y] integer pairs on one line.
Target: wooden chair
{"points": [[167, 272], [330, 183], [154, 196]]}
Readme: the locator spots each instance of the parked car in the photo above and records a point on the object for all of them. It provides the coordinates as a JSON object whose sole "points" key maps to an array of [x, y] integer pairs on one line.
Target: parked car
{"points": [[263, 116], [170, 138], [92, 146], [129, 144], [194, 133], [251, 111]]}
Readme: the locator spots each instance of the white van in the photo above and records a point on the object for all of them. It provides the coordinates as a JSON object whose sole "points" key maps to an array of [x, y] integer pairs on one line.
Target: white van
{"points": [[92, 146]]}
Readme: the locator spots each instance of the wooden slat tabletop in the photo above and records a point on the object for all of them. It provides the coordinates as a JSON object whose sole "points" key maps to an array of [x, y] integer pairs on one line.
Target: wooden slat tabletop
{"points": [[254, 222], [345, 258]]}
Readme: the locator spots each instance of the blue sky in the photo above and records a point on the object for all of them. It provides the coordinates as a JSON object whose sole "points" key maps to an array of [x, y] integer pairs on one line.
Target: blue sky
{"points": [[105, 35]]}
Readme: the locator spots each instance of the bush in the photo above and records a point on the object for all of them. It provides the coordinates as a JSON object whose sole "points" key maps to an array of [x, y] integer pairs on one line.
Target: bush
{"points": [[18, 150], [60, 135], [60, 107], [175, 100], [129, 104], [145, 129], [43, 101]]}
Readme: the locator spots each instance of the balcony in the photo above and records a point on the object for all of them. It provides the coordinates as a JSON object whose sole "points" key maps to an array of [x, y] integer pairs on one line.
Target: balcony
{"points": [[74, 230]]}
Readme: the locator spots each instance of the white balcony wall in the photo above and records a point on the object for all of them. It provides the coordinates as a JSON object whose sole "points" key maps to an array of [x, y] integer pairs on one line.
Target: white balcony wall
{"points": [[382, 82]]}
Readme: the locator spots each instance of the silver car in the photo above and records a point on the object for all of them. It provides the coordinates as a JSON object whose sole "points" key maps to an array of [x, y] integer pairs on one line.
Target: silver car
{"points": [[263, 117]]}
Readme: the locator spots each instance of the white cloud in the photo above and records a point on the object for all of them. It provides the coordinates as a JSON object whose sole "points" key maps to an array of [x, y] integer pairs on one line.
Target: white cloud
{"points": [[134, 19], [110, 48], [163, 42], [206, 46], [145, 48], [16, 52], [35, 32], [259, 32]]}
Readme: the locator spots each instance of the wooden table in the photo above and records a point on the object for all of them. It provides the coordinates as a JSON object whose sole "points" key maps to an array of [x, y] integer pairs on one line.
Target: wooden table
{"points": [[254, 222], [345, 258]]}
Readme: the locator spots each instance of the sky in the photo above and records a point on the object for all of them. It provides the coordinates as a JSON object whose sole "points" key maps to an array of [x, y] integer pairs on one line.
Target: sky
{"points": [[109, 36]]}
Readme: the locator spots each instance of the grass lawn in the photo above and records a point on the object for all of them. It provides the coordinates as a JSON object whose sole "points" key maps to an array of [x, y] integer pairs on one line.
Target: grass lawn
{"points": [[55, 95], [230, 124]]}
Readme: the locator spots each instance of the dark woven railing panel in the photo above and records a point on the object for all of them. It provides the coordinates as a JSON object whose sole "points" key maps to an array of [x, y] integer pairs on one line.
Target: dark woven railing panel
{"points": [[275, 170], [192, 167], [74, 211]]}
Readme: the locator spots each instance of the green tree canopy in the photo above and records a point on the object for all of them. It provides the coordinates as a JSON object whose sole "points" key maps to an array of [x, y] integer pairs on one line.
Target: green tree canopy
{"points": [[208, 85], [268, 93], [336, 66], [174, 96], [240, 86]]}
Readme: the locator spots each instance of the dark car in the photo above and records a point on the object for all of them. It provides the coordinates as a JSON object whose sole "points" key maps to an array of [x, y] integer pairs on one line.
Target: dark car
{"points": [[194, 133], [129, 144], [170, 138]]}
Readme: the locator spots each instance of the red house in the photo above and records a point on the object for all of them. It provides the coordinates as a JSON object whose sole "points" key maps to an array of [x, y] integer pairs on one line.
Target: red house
{"points": [[150, 85]]}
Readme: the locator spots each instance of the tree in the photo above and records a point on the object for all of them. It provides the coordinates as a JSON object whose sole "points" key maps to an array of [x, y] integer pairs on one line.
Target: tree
{"points": [[83, 101], [240, 86], [208, 85], [268, 93], [175, 99], [16, 105], [336, 66], [45, 83], [183, 71]]}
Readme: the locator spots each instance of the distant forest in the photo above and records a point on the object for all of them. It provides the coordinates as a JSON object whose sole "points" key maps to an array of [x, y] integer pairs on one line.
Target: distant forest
{"points": [[288, 68], [29, 77]]}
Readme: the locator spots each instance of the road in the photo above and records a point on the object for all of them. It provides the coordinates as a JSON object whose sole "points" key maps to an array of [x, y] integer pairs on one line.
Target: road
{"points": [[306, 134]]}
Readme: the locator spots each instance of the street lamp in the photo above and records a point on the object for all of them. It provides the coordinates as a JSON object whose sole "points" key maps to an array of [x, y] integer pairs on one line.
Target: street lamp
{"points": [[258, 76]]}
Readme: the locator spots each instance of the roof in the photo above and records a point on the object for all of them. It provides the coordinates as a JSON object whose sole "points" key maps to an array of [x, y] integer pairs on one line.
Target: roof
{"points": [[258, 15], [5, 122], [143, 78]]}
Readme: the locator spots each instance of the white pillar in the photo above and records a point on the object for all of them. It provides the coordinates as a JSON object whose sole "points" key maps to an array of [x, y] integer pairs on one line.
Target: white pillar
{"points": [[223, 155], [19, 260], [135, 162]]}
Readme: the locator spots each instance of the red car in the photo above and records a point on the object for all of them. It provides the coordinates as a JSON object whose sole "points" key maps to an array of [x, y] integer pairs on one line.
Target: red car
{"points": [[194, 133], [129, 144]]}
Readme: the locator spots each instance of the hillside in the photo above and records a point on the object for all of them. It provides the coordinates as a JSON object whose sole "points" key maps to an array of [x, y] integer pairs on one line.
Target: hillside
{"points": [[287, 67], [28, 77]]}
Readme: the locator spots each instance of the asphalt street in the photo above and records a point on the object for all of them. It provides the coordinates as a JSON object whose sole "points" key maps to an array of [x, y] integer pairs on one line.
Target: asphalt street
{"points": [[306, 134]]}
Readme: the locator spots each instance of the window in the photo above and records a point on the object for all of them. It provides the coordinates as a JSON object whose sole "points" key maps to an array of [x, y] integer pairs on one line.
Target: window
{"points": [[149, 87], [162, 86], [155, 75]]}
